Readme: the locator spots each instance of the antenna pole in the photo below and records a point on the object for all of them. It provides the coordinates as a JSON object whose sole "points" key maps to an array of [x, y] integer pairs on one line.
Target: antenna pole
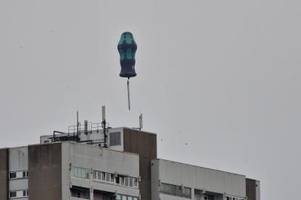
{"points": [[77, 124], [140, 122], [104, 123], [128, 89]]}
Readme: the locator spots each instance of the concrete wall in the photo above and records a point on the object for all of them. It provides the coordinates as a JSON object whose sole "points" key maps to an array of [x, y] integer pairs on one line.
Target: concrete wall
{"points": [[95, 158], [199, 178], [258, 190], [45, 172], [155, 183], [66, 171], [18, 161], [3, 174], [144, 144]]}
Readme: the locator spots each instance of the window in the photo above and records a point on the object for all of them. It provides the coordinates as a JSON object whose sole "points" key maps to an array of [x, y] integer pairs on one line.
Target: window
{"points": [[95, 174], [103, 176], [121, 180], [80, 192], [25, 193], [135, 182], [13, 194], [176, 190], [12, 175], [131, 182], [79, 172], [115, 138], [187, 192], [108, 177], [234, 198], [115, 178], [18, 194], [168, 189], [118, 197], [209, 197], [125, 197], [18, 174], [126, 181]]}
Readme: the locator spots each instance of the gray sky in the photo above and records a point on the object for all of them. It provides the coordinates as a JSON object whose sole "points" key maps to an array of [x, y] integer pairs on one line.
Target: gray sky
{"points": [[222, 76]]}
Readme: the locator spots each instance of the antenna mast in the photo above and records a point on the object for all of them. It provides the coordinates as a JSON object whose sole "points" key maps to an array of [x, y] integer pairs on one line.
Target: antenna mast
{"points": [[77, 124], [140, 121], [103, 124]]}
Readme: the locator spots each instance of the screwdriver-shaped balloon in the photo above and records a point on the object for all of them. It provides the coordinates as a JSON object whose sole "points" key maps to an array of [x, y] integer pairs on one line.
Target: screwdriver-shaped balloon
{"points": [[127, 48]]}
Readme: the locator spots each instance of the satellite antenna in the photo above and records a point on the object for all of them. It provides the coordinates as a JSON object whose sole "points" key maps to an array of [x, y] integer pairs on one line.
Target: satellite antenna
{"points": [[127, 48]]}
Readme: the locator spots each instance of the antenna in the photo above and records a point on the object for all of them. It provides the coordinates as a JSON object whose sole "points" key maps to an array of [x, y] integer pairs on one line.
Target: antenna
{"points": [[86, 127], [77, 124], [140, 121], [103, 124], [103, 113]]}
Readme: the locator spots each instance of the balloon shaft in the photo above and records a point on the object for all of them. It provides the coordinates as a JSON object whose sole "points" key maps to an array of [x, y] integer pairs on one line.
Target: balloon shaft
{"points": [[129, 98]]}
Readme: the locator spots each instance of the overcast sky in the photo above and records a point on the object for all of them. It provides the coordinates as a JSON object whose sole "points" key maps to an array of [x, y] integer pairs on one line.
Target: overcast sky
{"points": [[218, 80]]}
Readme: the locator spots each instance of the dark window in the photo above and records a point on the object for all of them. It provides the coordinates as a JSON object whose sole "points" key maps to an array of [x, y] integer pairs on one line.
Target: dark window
{"points": [[209, 197], [13, 194], [117, 179], [112, 177], [175, 190], [80, 192], [12, 175], [126, 181], [115, 138]]}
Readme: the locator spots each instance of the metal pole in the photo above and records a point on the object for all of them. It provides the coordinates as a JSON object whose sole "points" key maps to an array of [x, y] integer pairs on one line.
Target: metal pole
{"points": [[140, 122], [77, 124], [128, 89], [91, 187], [103, 111]]}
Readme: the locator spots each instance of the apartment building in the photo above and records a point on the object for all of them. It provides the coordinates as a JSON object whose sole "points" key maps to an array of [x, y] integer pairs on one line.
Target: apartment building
{"points": [[113, 163], [174, 180]]}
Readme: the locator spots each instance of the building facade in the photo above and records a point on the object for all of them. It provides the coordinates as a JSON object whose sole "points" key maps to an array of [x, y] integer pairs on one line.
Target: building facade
{"points": [[70, 170], [120, 163], [173, 180]]}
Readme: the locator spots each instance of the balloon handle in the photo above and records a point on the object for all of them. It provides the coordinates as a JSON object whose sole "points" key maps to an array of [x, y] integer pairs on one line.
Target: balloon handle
{"points": [[128, 89]]}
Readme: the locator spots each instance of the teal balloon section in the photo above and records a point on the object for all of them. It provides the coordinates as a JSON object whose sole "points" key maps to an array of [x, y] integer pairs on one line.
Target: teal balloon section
{"points": [[127, 48]]}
